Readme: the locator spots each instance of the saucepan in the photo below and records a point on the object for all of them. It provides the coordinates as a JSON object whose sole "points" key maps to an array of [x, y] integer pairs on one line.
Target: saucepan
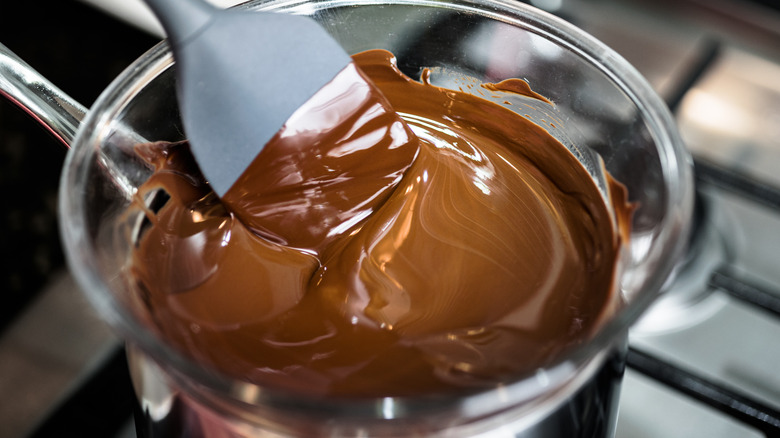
{"points": [[602, 106]]}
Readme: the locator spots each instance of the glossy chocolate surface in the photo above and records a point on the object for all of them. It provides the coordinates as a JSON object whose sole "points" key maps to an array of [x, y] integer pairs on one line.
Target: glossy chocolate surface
{"points": [[490, 254]]}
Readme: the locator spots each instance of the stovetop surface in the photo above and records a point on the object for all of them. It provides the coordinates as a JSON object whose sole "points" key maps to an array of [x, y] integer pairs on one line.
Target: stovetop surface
{"points": [[716, 63]]}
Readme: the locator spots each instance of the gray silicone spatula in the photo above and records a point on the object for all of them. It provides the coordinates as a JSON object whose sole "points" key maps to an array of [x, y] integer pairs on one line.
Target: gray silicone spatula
{"points": [[240, 75], [246, 76]]}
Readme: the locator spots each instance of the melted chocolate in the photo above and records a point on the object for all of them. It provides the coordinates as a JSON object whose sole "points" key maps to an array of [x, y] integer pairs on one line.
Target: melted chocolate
{"points": [[490, 254], [334, 162]]}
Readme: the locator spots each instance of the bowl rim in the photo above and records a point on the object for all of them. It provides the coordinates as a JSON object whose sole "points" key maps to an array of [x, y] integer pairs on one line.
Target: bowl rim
{"points": [[675, 160]]}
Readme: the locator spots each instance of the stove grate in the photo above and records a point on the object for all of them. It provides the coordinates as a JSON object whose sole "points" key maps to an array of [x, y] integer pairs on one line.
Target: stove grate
{"points": [[738, 406]]}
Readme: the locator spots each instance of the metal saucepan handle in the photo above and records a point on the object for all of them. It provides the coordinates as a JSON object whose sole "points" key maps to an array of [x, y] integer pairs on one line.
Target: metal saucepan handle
{"points": [[47, 104]]}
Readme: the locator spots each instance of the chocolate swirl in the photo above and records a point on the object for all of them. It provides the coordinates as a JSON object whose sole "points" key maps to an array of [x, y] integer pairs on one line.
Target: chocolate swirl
{"points": [[490, 255]]}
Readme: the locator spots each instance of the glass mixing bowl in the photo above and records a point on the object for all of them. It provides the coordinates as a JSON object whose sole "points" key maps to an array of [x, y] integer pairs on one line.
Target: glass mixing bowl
{"points": [[604, 112]]}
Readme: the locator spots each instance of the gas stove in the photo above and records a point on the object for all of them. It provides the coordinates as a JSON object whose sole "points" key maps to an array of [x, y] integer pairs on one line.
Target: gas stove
{"points": [[702, 361]]}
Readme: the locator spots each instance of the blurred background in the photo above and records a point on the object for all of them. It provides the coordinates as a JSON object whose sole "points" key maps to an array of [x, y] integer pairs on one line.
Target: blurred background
{"points": [[716, 63]]}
